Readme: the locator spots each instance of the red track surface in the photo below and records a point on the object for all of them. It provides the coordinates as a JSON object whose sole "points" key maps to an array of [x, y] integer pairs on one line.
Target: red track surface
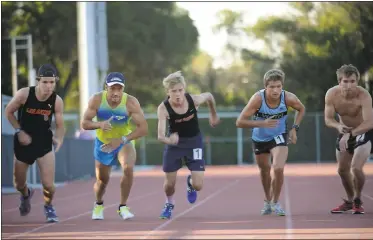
{"points": [[227, 208]]}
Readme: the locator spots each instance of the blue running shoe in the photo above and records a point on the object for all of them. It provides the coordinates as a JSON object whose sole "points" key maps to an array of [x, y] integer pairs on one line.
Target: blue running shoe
{"points": [[50, 213], [191, 192], [25, 206], [167, 211]]}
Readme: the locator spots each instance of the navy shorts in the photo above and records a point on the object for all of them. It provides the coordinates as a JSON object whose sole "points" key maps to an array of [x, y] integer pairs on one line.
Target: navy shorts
{"points": [[188, 149]]}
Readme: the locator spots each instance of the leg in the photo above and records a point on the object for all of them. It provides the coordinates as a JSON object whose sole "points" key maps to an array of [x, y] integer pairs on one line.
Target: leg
{"points": [[19, 176], [197, 180], [47, 171], [344, 171], [19, 179], [102, 180], [361, 155], [280, 155], [265, 173], [169, 188], [127, 159]]}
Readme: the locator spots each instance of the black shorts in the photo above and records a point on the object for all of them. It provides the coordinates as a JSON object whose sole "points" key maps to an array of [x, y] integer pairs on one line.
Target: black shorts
{"points": [[265, 147], [38, 147], [354, 142]]}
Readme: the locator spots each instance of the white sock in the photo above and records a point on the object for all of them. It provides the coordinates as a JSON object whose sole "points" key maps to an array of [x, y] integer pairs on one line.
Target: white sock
{"points": [[170, 199]]}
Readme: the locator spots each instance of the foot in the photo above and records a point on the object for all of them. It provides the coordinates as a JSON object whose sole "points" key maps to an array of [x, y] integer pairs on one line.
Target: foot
{"points": [[125, 213], [276, 208], [167, 211], [191, 192], [357, 206], [346, 206], [50, 213], [267, 208], [98, 212], [25, 206]]}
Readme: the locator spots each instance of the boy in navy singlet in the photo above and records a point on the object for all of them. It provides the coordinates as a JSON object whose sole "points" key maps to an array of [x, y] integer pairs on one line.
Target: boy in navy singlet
{"points": [[183, 140], [269, 107]]}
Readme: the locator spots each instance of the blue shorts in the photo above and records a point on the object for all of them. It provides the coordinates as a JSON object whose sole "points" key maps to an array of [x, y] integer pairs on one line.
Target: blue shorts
{"points": [[108, 159]]}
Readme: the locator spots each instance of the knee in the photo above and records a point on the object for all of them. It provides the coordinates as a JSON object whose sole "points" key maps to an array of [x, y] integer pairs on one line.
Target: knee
{"points": [[102, 183], [265, 170], [197, 185], [343, 171], [356, 170], [169, 185], [278, 170], [127, 169]]}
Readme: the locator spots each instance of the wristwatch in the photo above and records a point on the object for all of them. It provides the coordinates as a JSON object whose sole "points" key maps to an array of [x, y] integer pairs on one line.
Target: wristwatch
{"points": [[125, 140], [296, 127], [18, 130]]}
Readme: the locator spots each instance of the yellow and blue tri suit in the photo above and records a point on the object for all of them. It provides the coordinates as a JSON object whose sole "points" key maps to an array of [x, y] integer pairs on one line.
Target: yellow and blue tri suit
{"points": [[121, 126]]}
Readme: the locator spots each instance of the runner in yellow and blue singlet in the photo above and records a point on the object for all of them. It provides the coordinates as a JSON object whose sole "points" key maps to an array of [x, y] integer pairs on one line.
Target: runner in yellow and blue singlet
{"points": [[120, 127]]}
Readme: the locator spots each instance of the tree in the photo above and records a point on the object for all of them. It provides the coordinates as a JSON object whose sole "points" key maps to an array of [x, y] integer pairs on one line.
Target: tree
{"points": [[312, 43], [146, 41]]}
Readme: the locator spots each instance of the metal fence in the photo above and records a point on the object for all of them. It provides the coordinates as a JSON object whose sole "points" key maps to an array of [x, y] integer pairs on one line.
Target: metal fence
{"points": [[226, 144]]}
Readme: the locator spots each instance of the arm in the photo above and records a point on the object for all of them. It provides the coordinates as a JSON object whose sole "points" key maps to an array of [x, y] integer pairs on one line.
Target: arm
{"points": [[367, 124], [329, 111], [162, 118], [205, 97], [90, 113], [138, 118], [17, 101], [252, 106], [293, 101], [58, 114]]}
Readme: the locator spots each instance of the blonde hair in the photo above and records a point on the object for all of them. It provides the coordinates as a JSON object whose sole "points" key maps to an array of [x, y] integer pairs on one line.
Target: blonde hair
{"points": [[347, 70], [173, 79], [274, 75]]}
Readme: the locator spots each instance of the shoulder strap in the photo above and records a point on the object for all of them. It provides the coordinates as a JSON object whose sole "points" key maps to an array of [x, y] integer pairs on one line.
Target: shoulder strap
{"points": [[190, 101], [168, 107]]}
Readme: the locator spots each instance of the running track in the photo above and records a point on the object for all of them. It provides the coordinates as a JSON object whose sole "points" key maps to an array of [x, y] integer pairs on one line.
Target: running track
{"points": [[227, 208]]}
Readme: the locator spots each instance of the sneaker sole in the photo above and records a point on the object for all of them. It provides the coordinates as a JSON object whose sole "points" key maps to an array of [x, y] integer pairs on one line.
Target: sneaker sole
{"points": [[357, 212], [340, 211], [52, 220]]}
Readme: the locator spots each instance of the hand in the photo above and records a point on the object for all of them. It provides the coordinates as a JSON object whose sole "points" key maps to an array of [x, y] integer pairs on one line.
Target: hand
{"points": [[57, 144], [342, 129], [23, 138], [293, 136], [270, 123], [113, 144], [343, 142], [106, 125], [214, 120], [173, 139]]}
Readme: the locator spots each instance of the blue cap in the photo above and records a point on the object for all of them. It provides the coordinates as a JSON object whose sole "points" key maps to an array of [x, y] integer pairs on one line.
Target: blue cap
{"points": [[115, 78], [47, 70]]}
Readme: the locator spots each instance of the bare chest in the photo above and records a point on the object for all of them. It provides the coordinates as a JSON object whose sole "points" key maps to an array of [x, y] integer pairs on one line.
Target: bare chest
{"points": [[350, 108]]}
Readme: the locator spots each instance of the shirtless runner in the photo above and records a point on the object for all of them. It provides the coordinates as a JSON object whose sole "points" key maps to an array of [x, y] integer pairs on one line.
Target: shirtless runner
{"points": [[353, 104]]}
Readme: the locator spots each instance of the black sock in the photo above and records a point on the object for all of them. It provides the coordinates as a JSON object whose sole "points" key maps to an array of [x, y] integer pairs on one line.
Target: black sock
{"points": [[121, 205], [100, 203]]}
